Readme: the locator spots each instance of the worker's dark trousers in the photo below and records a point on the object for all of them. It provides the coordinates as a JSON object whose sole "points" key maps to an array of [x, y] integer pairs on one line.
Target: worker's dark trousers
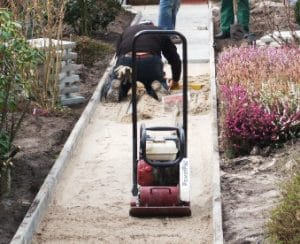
{"points": [[227, 14], [148, 70]]}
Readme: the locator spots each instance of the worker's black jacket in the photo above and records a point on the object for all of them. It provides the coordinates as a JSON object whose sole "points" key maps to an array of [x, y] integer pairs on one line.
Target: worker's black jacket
{"points": [[152, 43]]}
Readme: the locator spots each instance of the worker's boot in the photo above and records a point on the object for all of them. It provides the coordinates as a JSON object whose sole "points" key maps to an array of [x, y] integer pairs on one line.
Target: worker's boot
{"points": [[159, 89], [140, 89], [156, 86], [222, 35], [113, 94]]}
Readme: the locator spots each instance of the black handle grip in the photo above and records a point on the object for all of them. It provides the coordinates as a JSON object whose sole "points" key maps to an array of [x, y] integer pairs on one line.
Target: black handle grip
{"points": [[157, 163]]}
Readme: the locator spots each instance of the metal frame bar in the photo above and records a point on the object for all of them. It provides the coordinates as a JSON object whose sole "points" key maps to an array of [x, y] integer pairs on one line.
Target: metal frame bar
{"points": [[134, 98]]}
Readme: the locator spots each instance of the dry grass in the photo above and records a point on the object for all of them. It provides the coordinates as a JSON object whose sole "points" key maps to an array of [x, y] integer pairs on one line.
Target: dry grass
{"points": [[284, 223]]}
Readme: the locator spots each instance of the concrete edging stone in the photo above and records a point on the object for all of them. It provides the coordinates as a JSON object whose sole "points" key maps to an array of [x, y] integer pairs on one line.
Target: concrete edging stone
{"points": [[217, 198], [25, 232]]}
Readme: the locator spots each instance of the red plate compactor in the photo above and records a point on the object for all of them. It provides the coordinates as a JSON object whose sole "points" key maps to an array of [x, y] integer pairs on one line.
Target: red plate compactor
{"points": [[161, 175]]}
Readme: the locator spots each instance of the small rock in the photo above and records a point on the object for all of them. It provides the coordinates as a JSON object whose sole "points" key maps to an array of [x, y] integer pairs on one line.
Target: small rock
{"points": [[24, 202], [265, 152], [255, 151], [290, 165]]}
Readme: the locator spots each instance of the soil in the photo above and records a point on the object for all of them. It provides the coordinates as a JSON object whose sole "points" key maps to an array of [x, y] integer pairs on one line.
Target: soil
{"points": [[265, 17], [42, 137], [250, 185]]}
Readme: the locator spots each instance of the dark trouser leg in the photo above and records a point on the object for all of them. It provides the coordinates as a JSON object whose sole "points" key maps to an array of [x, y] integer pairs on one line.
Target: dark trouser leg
{"points": [[125, 85], [124, 90], [148, 70], [227, 15], [243, 14]]}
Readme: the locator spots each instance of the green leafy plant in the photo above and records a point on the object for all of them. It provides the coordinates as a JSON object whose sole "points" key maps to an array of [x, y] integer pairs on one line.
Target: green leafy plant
{"points": [[17, 60], [284, 223], [90, 50], [297, 11], [43, 19], [89, 16]]}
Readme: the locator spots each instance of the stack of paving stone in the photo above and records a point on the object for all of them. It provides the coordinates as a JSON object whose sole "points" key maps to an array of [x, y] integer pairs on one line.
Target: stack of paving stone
{"points": [[277, 38], [68, 79]]}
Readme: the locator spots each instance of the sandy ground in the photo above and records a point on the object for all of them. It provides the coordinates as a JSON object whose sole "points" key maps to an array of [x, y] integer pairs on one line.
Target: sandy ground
{"points": [[250, 189], [92, 200]]}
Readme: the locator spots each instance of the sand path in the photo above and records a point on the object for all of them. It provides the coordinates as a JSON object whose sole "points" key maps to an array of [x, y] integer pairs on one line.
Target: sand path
{"points": [[91, 203]]}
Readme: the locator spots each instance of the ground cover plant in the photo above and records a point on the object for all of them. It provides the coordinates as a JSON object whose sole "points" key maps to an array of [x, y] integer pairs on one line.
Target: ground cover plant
{"points": [[260, 96], [284, 223], [90, 16], [297, 11], [90, 50]]}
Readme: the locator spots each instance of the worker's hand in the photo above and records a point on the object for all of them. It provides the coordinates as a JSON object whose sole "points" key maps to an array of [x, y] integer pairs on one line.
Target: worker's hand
{"points": [[173, 85]]}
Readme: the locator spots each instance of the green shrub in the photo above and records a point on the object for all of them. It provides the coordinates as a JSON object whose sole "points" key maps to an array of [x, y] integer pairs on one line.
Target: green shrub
{"points": [[284, 224], [90, 50], [297, 11], [43, 19], [17, 61], [89, 16]]}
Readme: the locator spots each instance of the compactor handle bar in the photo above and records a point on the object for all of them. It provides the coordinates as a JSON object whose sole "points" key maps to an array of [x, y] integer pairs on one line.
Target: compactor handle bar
{"points": [[157, 163], [134, 98]]}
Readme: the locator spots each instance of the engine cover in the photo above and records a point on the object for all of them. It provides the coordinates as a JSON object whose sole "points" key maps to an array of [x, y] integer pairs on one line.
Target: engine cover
{"points": [[145, 175]]}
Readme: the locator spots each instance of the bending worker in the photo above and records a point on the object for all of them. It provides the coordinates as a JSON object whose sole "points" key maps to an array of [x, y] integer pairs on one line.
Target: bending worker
{"points": [[227, 17], [149, 51]]}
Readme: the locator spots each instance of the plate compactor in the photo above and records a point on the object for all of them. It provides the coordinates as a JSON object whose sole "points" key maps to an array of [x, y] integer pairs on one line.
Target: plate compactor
{"points": [[161, 175]]}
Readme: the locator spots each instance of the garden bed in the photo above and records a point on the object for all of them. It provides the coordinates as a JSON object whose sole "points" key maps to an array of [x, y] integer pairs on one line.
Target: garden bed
{"points": [[250, 185], [41, 138]]}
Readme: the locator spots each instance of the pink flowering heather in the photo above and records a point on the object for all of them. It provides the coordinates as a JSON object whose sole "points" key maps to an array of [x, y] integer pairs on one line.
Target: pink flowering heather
{"points": [[288, 121], [246, 123], [260, 95], [251, 66]]}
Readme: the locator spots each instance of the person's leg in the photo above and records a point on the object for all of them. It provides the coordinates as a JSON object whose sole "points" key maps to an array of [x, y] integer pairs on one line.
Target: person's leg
{"points": [[149, 70], [243, 14], [165, 14], [175, 9], [120, 87], [227, 15], [150, 91]]}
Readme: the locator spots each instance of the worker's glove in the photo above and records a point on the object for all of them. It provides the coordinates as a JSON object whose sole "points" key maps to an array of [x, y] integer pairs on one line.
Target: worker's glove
{"points": [[173, 85], [123, 73]]}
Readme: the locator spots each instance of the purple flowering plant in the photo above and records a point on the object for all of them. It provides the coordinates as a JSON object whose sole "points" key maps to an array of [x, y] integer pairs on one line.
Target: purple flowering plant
{"points": [[246, 123], [260, 96]]}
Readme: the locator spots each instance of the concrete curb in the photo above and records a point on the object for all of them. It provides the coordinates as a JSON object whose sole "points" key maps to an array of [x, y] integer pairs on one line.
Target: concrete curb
{"points": [[39, 205], [217, 200]]}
